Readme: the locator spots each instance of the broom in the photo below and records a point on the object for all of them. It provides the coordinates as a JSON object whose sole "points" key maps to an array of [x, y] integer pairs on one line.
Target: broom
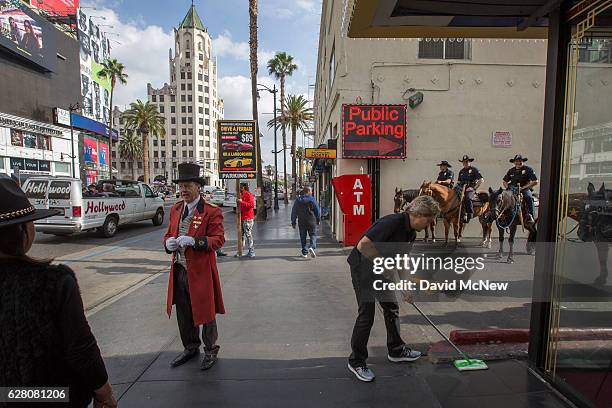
{"points": [[465, 364]]}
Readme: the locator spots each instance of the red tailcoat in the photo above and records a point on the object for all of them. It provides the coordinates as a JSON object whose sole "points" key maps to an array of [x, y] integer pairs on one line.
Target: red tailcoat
{"points": [[202, 274]]}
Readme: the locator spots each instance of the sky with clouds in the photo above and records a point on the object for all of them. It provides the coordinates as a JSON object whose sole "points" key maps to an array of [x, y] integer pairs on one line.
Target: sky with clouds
{"points": [[141, 34]]}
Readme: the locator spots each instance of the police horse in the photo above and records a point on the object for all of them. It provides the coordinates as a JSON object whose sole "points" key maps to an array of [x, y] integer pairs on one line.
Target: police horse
{"points": [[593, 212], [451, 208], [506, 210], [402, 198]]}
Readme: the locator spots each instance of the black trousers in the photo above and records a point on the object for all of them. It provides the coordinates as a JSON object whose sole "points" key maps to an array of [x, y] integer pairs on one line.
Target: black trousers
{"points": [[363, 278], [190, 334]]}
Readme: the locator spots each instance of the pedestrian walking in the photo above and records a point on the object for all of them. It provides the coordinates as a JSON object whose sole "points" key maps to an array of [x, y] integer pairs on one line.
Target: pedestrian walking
{"points": [[307, 213], [247, 216], [46, 340], [195, 232], [395, 228]]}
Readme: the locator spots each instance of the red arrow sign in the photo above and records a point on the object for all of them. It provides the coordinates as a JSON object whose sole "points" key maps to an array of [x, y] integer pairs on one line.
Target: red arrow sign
{"points": [[383, 146]]}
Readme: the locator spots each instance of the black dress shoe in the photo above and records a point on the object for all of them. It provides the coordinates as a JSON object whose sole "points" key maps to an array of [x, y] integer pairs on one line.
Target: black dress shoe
{"points": [[209, 360], [184, 357], [221, 253]]}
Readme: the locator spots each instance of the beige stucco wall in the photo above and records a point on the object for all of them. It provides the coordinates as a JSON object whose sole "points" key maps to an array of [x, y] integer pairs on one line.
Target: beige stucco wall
{"points": [[501, 88]]}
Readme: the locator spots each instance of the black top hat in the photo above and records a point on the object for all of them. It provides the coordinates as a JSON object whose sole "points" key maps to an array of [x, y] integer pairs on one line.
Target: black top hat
{"points": [[518, 157], [466, 157], [445, 163], [189, 172], [15, 208]]}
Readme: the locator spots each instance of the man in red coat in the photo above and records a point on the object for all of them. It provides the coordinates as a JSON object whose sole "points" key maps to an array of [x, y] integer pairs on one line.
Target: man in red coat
{"points": [[195, 232]]}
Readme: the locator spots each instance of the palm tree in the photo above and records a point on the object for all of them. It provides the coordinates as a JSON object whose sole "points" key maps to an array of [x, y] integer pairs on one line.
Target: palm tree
{"points": [[113, 70], [282, 66], [130, 148], [297, 116], [144, 119], [261, 204]]}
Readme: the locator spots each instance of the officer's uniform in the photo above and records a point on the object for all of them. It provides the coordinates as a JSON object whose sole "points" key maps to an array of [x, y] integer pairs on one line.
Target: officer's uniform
{"points": [[445, 175], [520, 178], [468, 176]]}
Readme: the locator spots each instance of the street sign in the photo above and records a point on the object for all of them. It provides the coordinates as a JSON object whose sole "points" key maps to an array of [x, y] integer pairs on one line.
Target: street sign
{"points": [[374, 131], [237, 149], [61, 116], [320, 153]]}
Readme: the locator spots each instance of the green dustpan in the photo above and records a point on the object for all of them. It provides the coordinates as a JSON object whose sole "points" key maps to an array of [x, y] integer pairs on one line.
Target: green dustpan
{"points": [[465, 364]]}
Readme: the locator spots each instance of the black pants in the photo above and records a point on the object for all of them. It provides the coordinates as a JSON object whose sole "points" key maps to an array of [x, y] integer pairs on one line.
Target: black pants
{"points": [[363, 278], [190, 334]]}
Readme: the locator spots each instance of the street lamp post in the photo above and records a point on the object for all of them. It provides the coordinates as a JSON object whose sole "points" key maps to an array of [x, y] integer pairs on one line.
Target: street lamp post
{"points": [[73, 108], [273, 91]]}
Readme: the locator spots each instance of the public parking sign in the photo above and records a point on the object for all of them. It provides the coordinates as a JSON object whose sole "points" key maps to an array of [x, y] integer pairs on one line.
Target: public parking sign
{"points": [[237, 149], [374, 131]]}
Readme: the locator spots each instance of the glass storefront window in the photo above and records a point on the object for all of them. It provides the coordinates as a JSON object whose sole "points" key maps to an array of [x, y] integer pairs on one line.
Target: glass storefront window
{"points": [[62, 167]]}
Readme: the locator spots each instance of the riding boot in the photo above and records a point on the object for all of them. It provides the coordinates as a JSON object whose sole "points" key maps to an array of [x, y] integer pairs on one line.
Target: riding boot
{"points": [[468, 217]]}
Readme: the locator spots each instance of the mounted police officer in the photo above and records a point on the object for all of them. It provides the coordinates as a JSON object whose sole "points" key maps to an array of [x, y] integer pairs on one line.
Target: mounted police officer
{"points": [[445, 177], [522, 178], [471, 178]]}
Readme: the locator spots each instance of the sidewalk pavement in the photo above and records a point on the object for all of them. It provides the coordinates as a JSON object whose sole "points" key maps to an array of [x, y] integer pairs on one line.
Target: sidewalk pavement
{"points": [[285, 340]]}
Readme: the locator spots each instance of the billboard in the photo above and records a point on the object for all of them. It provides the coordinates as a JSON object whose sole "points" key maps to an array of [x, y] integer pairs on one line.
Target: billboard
{"points": [[315, 153], [90, 150], [237, 149], [374, 131], [27, 34], [57, 7], [103, 153], [94, 50]]}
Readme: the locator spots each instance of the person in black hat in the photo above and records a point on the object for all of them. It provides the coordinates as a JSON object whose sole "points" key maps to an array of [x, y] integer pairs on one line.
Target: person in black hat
{"points": [[195, 232], [445, 176], [524, 179], [50, 343], [470, 177]]}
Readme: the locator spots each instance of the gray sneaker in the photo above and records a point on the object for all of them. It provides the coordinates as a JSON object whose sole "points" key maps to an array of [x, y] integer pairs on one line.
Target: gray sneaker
{"points": [[362, 373], [406, 355], [312, 252], [303, 255]]}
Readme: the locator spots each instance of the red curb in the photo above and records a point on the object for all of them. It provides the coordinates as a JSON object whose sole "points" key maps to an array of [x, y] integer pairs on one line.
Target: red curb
{"points": [[522, 335]]}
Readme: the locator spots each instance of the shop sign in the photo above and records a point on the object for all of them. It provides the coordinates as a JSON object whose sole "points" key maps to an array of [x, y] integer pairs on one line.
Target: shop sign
{"points": [[320, 153], [374, 131], [31, 165], [17, 163], [237, 141], [501, 139], [28, 126], [61, 116]]}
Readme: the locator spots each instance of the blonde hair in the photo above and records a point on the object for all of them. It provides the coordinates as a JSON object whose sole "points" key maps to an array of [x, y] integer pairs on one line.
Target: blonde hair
{"points": [[423, 206]]}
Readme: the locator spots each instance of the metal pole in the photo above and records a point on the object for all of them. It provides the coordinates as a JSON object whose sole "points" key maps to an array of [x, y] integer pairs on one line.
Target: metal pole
{"points": [[238, 221], [72, 144], [275, 154]]}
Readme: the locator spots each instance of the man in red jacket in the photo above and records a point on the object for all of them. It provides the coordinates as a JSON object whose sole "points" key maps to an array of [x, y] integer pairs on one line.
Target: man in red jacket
{"points": [[195, 232], [247, 215]]}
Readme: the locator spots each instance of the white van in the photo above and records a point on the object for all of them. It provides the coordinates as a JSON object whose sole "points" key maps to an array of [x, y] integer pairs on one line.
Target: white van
{"points": [[129, 201]]}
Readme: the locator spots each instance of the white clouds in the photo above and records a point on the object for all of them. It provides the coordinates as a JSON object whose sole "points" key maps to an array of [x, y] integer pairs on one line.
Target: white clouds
{"points": [[225, 46], [308, 5], [144, 52]]}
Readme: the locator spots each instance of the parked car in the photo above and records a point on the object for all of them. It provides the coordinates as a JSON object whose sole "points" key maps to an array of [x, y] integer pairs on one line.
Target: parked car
{"points": [[124, 202], [237, 147], [218, 197]]}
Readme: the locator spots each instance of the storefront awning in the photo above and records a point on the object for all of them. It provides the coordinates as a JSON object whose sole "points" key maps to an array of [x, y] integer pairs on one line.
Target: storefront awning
{"points": [[90, 125], [448, 19]]}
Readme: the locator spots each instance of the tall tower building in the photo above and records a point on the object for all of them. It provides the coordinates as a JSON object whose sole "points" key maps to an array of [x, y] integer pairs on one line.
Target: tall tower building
{"points": [[190, 105]]}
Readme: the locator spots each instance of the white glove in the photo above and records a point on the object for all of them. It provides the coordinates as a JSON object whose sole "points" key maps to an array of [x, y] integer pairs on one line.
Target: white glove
{"points": [[171, 244], [185, 241]]}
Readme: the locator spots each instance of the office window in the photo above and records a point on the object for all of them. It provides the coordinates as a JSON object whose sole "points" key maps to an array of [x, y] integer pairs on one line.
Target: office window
{"points": [[188, 74], [201, 121], [182, 98], [201, 57], [184, 120], [182, 75], [173, 132], [207, 132], [191, 153], [208, 164], [451, 48], [161, 109], [155, 154], [200, 77], [191, 142], [184, 154], [155, 165], [189, 87], [200, 87], [122, 166], [207, 111], [207, 122], [201, 143], [140, 165], [163, 143], [201, 109], [153, 98], [201, 132], [201, 154], [191, 131], [184, 143], [207, 143], [154, 142], [187, 54], [206, 78], [174, 153], [183, 109], [190, 109], [184, 132], [206, 89], [200, 99], [172, 109], [161, 98], [182, 87], [207, 100], [163, 154], [189, 98], [174, 143], [190, 120], [172, 98]]}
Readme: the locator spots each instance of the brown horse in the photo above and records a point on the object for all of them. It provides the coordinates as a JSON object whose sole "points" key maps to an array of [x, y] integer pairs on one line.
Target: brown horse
{"points": [[401, 199], [449, 207]]}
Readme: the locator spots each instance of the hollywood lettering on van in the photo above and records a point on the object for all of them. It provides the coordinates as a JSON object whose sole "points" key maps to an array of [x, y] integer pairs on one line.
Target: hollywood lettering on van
{"points": [[102, 207], [374, 131]]}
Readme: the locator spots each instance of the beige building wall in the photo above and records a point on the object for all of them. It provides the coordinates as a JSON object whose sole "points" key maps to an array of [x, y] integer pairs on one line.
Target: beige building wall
{"points": [[499, 88]]}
